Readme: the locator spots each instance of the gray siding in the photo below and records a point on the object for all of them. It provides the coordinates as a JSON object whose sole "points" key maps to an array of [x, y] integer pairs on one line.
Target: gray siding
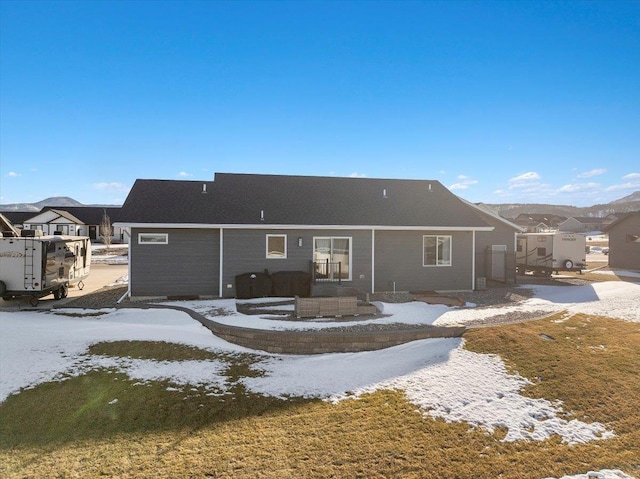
{"points": [[399, 258], [187, 265], [245, 252], [501, 235], [622, 253]]}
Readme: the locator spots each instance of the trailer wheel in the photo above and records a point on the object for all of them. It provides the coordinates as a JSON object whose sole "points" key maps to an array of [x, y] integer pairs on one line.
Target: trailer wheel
{"points": [[568, 264], [61, 292], [33, 301]]}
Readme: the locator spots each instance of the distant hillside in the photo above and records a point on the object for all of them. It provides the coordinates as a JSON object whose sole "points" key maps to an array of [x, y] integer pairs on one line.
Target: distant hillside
{"points": [[56, 201], [512, 210], [507, 210]]}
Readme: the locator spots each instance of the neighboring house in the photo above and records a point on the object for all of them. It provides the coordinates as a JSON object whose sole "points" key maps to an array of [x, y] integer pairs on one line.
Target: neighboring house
{"points": [[76, 221], [624, 241], [18, 218], [585, 224], [538, 223], [194, 238], [6, 227]]}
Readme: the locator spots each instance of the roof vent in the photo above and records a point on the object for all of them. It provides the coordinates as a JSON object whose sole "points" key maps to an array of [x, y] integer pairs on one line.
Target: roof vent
{"points": [[430, 187], [204, 187], [261, 215], [384, 193]]}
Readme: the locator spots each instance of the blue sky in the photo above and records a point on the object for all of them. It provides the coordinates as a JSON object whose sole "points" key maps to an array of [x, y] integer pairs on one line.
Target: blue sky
{"points": [[500, 101]]}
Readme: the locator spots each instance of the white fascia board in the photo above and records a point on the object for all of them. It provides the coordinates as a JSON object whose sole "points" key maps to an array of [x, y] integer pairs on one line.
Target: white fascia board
{"points": [[263, 226]]}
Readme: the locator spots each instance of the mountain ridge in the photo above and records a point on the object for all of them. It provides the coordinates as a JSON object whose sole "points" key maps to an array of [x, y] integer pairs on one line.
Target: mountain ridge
{"points": [[507, 210], [623, 205], [54, 201]]}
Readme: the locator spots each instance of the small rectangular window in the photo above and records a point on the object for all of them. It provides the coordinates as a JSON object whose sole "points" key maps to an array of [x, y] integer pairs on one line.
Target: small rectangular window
{"points": [[542, 252], [276, 246], [436, 251], [153, 238]]}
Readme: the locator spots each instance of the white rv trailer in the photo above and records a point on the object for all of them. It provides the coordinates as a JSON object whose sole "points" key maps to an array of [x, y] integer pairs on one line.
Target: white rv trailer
{"points": [[548, 252], [34, 266]]}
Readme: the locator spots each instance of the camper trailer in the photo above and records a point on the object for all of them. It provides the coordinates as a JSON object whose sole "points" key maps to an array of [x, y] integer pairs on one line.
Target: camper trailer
{"points": [[34, 266], [544, 253]]}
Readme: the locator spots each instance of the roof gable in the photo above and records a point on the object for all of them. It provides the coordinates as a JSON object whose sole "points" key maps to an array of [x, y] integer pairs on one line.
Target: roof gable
{"points": [[633, 215]]}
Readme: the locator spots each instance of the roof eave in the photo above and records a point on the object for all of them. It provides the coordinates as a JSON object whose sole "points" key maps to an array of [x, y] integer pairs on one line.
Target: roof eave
{"points": [[300, 227]]}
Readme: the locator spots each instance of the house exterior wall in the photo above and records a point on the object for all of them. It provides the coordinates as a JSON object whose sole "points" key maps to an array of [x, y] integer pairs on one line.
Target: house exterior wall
{"points": [[575, 226], [245, 252], [624, 253], [572, 225], [399, 259], [501, 235], [187, 265]]}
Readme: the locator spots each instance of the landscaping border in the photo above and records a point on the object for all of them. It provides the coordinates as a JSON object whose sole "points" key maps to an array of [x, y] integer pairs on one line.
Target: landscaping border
{"points": [[312, 341]]}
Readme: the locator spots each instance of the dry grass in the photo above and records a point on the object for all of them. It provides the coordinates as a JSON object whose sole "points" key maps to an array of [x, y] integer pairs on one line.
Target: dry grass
{"points": [[65, 430]]}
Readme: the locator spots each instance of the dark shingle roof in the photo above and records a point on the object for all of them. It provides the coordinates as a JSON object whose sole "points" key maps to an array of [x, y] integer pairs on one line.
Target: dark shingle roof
{"points": [[89, 215], [19, 217], [297, 200]]}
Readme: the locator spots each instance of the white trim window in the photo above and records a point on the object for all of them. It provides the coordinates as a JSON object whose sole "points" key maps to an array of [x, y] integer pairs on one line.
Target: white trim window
{"points": [[332, 257], [153, 238], [276, 246], [436, 250]]}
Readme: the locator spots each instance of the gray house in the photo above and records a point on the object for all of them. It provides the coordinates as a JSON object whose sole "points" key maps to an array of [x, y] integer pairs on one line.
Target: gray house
{"points": [[194, 238], [585, 224], [624, 241]]}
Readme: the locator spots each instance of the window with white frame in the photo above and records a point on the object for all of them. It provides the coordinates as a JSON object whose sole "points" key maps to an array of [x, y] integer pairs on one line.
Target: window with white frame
{"points": [[276, 246], [436, 250], [153, 238], [332, 258]]}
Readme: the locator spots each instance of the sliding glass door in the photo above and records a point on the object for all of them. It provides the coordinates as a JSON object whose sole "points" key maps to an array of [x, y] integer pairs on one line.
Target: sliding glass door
{"points": [[332, 257]]}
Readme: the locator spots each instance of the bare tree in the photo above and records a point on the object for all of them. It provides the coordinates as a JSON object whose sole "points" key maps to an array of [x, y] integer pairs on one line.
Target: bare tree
{"points": [[106, 230]]}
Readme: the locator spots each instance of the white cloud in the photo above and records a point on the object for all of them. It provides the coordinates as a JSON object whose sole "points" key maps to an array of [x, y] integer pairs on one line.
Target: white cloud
{"points": [[529, 176], [464, 183], [594, 172], [355, 174], [524, 180], [113, 186], [13, 174], [578, 187], [632, 183], [624, 186], [184, 174]]}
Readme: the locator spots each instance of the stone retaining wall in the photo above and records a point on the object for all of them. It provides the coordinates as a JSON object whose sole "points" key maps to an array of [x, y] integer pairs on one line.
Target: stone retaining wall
{"points": [[314, 342], [319, 342]]}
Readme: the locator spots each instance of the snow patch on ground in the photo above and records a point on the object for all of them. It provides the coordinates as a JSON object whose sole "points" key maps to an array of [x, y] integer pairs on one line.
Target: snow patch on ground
{"points": [[438, 375], [603, 474]]}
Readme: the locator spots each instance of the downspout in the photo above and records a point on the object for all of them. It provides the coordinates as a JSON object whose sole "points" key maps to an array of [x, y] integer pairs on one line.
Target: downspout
{"points": [[373, 261], [221, 254], [127, 233], [473, 261]]}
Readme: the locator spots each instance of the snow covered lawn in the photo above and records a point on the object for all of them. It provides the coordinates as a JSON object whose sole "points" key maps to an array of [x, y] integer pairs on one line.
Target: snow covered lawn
{"points": [[439, 376]]}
